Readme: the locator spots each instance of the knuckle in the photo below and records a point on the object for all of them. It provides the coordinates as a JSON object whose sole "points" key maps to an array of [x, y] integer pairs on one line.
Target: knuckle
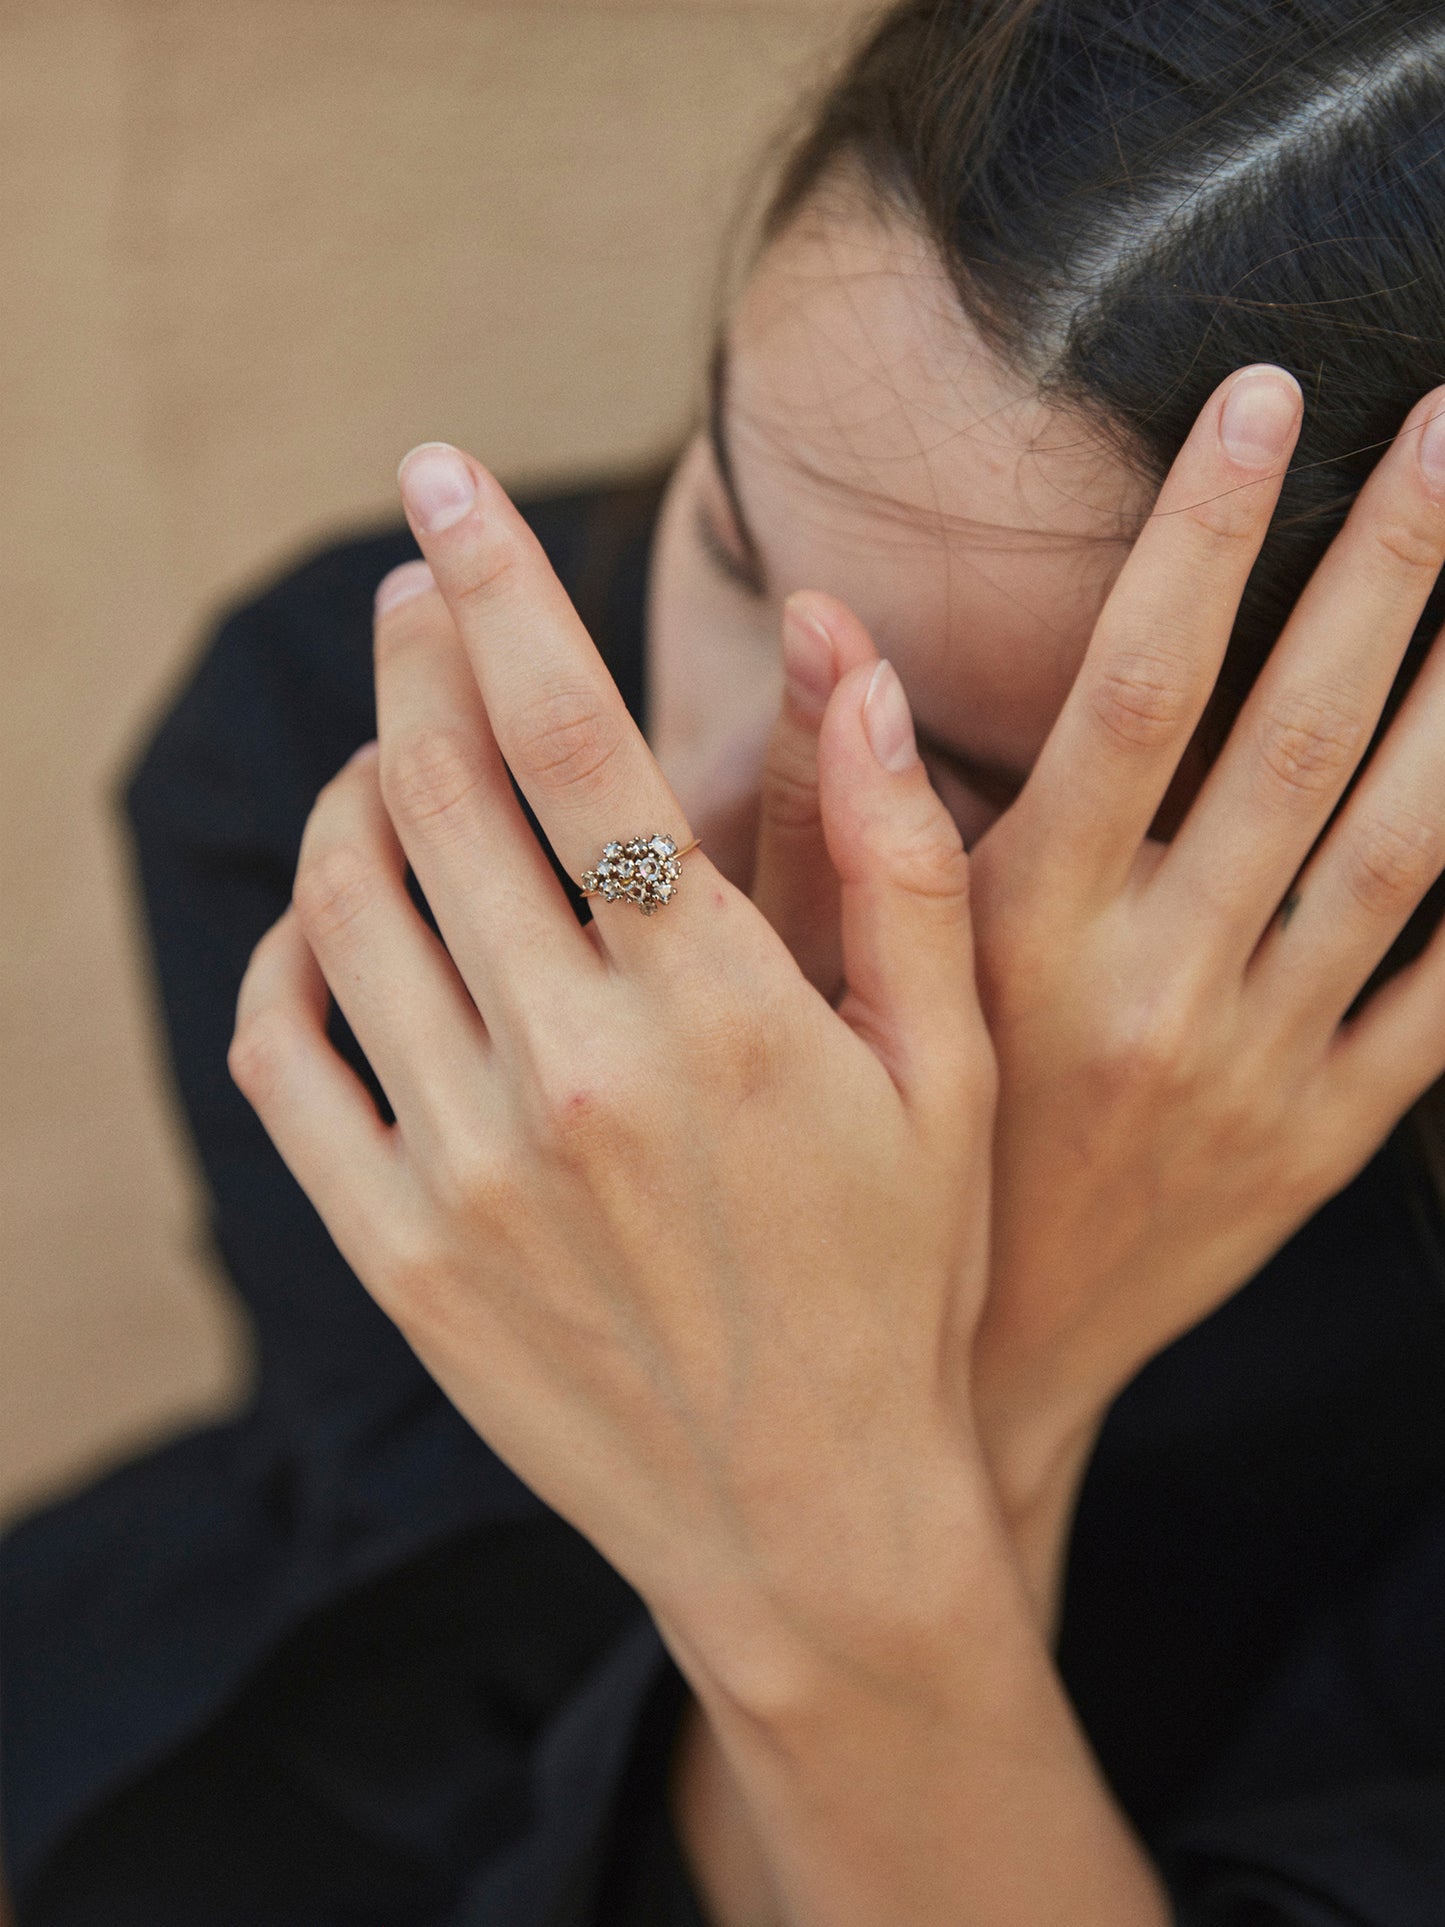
{"points": [[562, 739], [415, 1285], [480, 1181], [398, 633], [258, 1054], [1309, 740], [256, 963], [584, 1106], [580, 1112], [427, 773], [1391, 860], [1228, 520], [333, 887], [1148, 1050], [789, 798], [736, 1040], [1407, 544], [494, 570], [926, 857], [1143, 698]]}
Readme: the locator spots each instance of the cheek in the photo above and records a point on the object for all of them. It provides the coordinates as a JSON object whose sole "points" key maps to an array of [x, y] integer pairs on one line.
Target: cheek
{"points": [[714, 674]]}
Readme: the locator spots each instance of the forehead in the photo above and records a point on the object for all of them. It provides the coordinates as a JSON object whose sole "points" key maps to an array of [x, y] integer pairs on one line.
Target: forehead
{"points": [[882, 453]]}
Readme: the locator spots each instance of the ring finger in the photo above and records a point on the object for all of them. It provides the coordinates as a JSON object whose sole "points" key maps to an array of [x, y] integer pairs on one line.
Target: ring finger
{"points": [[1364, 881], [558, 718]]}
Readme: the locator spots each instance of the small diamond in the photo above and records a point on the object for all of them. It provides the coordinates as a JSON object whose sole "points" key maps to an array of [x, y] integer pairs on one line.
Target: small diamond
{"points": [[640, 869]]}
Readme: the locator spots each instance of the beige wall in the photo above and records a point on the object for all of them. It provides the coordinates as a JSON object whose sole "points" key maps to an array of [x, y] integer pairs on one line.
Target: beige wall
{"points": [[249, 254]]}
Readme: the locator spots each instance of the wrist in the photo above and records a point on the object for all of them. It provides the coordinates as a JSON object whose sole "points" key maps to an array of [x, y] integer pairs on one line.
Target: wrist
{"points": [[767, 1655], [1037, 1457], [923, 1785]]}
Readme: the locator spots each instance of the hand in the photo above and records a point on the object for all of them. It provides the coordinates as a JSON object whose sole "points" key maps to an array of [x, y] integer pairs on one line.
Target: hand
{"points": [[698, 1254], [1180, 1087]]}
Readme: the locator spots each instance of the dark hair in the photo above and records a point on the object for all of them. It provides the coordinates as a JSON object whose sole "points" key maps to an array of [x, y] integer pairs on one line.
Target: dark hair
{"points": [[1135, 197]]}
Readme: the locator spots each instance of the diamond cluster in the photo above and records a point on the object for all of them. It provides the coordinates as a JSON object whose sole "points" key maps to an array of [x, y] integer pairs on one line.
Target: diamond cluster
{"points": [[643, 871]]}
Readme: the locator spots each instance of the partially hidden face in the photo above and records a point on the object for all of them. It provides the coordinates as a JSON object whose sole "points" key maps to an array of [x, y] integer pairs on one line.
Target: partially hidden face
{"points": [[865, 443]]}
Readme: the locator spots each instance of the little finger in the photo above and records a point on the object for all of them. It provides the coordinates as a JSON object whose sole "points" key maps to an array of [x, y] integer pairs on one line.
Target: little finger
{"points": [[395, 984], [1388, 1056], [315, 1109]]}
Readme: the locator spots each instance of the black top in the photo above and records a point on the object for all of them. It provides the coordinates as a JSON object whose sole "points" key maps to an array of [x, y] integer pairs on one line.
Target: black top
{"points": [[332, 1663]]}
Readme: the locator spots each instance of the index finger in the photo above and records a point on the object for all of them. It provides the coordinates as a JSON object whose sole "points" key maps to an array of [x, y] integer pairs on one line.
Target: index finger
{"points": [[557, 715], [1160, 639]]}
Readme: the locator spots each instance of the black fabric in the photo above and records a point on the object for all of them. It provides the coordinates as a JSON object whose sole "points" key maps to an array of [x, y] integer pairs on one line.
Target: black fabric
{"points": [[332, 1662], [320, 1801], [643, 1876]]}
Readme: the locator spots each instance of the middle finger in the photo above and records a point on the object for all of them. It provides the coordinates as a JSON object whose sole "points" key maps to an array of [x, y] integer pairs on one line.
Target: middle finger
{"points": [[1316, 702], [557, 715]]}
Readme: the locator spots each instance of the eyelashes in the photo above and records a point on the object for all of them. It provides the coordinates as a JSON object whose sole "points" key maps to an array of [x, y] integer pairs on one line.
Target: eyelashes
{"points": [[991, 795], [724, 562]]}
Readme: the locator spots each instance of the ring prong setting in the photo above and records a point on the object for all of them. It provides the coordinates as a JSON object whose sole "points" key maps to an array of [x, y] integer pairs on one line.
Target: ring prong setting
{"points": [[644, 870]]}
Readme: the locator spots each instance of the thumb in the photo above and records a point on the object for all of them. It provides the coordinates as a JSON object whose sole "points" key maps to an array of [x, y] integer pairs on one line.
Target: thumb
{"points": [[793, 881], [903, 877]]}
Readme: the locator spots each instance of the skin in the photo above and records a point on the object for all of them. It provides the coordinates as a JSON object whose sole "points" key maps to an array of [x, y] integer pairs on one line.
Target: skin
{"points": [[976, 535], [973, 532], [854, 376], [1008, 1076]]}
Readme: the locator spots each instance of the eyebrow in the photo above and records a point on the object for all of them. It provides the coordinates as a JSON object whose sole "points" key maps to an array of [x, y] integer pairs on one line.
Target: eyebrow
{"points": [[996, 782]]}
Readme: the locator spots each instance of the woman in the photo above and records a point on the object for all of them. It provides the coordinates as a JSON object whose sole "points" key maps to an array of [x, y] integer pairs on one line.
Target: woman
{"points": [[1020, 412]]}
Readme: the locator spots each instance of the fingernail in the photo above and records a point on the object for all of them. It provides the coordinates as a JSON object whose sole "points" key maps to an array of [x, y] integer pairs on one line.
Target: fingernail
{"points": [[359, 755], [405, 581], [1259, 415], [1432, 443], [807, 661], [886, 721], [436, 486]]}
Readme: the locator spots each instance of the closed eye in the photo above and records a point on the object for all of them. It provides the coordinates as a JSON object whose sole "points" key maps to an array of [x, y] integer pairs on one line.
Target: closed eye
{"points": [[992, 785], [731, 567]]}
